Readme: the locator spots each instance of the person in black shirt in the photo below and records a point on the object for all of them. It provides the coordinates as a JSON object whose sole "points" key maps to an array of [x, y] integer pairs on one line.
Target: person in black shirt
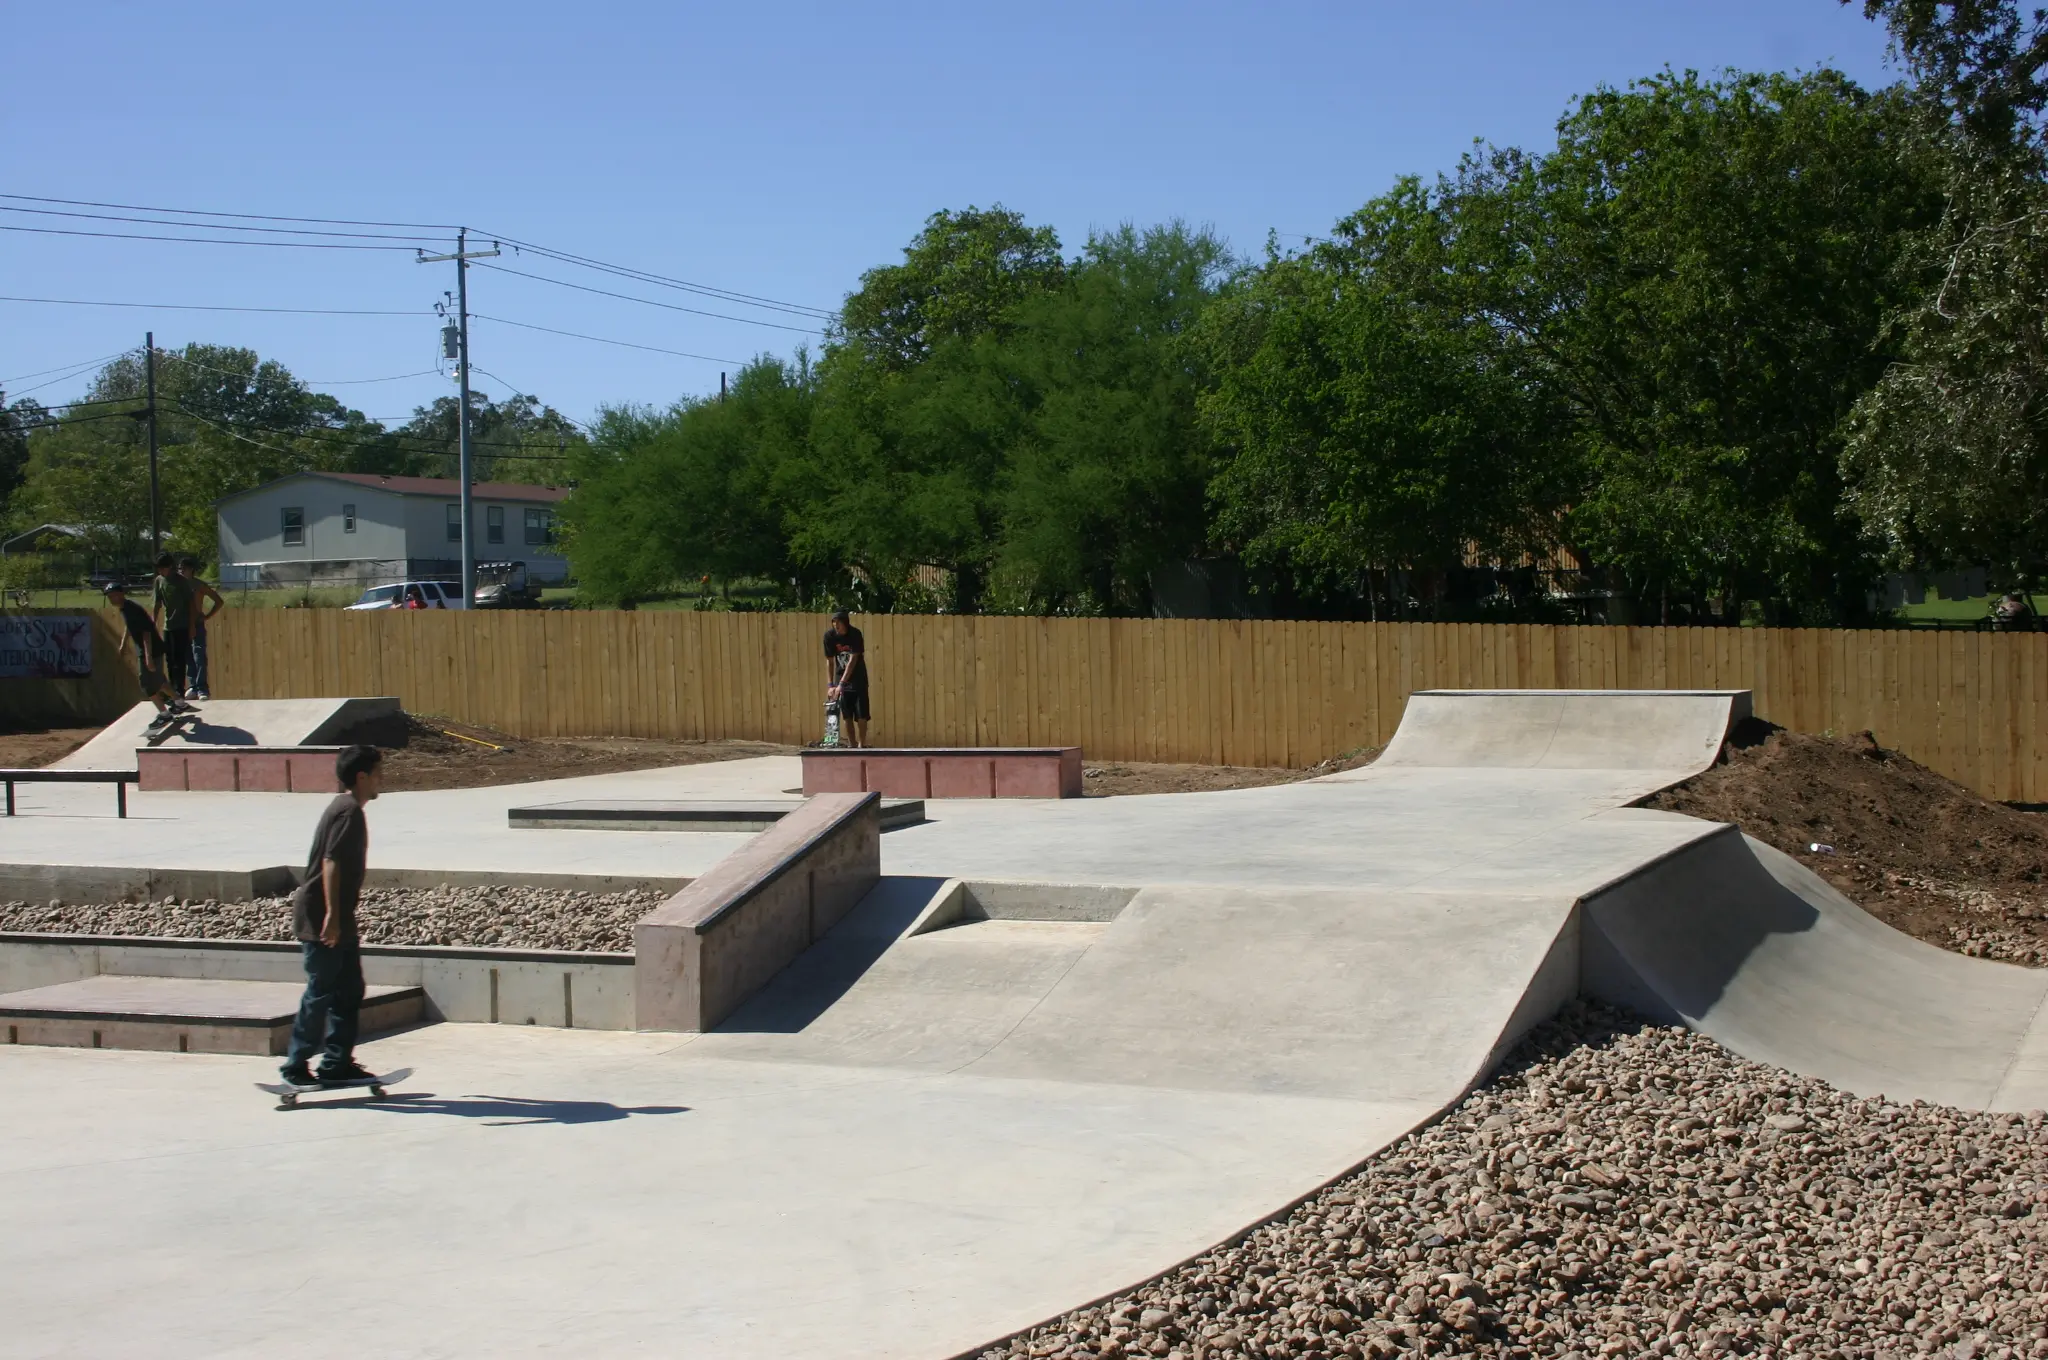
{"points": [[138, 627], [324, 919], [846, 676]]}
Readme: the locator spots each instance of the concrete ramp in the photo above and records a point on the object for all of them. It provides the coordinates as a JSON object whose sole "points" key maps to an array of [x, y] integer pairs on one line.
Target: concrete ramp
{"points": [[1313, 994], [1747, 945], [247, 722], [1672, 733]]}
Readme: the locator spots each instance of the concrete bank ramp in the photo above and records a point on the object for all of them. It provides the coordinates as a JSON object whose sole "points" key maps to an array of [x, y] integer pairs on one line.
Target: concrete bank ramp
{"points": [[1403, 997], [1673, 734], [1745, 944], [246, 722]]}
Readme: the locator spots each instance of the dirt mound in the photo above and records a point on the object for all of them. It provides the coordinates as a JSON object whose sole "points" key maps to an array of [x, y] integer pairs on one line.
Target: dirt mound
{"points": [[441, 754], [1915, 849]]}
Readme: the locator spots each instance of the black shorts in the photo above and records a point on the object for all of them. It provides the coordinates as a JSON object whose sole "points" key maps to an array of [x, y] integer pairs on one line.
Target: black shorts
{"points": [[853, 705], [150, 678]]}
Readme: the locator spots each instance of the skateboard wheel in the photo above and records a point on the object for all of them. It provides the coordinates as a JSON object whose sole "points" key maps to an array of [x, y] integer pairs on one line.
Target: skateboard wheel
{"points": [[377, 1092]]}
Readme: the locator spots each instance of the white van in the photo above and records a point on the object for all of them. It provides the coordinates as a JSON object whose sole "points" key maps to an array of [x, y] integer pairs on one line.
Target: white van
{"points": [[430, 594]]}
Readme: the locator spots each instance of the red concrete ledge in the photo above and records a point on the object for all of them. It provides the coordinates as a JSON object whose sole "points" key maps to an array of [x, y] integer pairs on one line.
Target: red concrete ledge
{"points": [[967, 772], [707, 949], [238, 769]]}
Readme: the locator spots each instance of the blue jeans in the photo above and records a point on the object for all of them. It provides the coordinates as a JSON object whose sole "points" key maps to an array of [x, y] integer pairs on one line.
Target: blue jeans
{"points": [[197, 675], [329, 1010]]}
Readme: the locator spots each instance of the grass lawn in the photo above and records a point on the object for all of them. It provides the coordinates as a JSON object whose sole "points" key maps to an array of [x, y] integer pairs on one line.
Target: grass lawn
{"points": [[1961, 611]]}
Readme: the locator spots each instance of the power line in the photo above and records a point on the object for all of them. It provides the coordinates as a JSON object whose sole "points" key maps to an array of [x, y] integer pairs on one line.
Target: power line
{"points": [[648, 276], [52, 382], [353, 382], [196, 240], [81, 364], [516, 392], [207, 307], [210, 226], [207, 212], [331, 435], [650, 302], [628, 344]]}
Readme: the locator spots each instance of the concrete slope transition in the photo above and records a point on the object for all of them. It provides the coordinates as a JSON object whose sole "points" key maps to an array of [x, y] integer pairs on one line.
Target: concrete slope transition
{"points": [[246, 722]]}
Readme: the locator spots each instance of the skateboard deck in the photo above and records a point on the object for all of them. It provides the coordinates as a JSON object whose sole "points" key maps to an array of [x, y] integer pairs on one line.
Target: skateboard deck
{"points": [[158, 736], [288, 1094]]}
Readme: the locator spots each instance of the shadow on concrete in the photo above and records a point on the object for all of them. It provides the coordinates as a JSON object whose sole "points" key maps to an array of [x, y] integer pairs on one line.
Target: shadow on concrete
{"points": [[818, 977], [1669, 940], [500, 1110], [203, 733]]}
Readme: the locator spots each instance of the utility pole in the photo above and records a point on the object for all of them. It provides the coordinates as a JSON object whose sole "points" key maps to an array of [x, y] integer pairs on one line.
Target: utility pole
{"points": [[462, 256], [156, 499]]}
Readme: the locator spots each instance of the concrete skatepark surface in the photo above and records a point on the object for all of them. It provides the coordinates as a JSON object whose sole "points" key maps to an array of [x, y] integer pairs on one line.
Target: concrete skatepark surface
{"points": [[913, 1141]]}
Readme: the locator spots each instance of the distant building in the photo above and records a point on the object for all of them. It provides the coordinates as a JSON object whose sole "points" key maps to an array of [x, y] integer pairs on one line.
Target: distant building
{"points": [[359, 528]]}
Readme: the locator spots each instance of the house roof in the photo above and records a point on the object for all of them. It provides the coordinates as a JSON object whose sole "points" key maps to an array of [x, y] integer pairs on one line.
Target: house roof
{"points": [[446, 488]]}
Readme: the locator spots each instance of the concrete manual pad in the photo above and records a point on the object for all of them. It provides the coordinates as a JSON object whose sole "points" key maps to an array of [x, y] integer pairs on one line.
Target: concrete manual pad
{"points": [[700, 814]]}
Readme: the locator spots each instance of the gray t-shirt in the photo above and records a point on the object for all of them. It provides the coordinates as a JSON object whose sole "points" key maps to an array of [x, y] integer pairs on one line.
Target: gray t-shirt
{"points": [[343, 836]]}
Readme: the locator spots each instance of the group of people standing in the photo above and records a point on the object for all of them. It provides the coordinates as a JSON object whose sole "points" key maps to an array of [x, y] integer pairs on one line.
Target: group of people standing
{"points": [[170, 636]]}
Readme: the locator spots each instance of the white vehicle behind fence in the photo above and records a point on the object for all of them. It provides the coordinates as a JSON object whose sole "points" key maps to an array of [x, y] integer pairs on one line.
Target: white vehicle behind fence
{"points": [[428, 594]]}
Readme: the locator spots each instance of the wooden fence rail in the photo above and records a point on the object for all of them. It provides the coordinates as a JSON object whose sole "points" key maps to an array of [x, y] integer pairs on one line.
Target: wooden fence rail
{"points": [[1972, 705]]}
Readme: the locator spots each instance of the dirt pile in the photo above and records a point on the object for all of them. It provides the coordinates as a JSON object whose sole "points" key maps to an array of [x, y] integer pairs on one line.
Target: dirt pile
{"points": [[1628, 1190], [1915, 849]]}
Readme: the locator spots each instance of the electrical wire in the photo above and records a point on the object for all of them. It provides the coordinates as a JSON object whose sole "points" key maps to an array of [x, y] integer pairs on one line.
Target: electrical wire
{"points": [[206, 226], [206, 212], [355, 382], [648, 276], [196, 240], [52, 382], [648, 302], [333, 436], [576, 335], [81, 364], [208, 307], [516, 392]]}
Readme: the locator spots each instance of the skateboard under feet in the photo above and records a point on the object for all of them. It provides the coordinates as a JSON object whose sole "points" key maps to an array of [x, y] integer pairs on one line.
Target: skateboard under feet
{"points": [[288, 1094]]}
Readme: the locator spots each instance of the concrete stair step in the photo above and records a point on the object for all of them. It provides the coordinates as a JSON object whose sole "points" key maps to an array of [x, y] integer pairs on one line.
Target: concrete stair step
{"points": [[181, 1015]]}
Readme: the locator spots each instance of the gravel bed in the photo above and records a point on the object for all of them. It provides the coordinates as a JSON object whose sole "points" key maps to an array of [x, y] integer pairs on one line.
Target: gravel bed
{"points": [[1621, 1189], [510, 917]]}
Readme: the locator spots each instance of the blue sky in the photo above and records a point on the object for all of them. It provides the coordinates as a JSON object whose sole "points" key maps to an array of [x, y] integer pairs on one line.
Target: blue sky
{"points": [[777, 151]]}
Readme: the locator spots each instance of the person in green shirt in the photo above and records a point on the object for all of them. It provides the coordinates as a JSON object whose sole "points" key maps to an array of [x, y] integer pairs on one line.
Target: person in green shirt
{"points": [[172, 608], [206, 602]]}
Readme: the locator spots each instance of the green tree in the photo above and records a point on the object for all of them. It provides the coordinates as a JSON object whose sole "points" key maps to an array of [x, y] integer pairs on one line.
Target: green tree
{"points": [[1691, 286], [907, 447], [15, 423], [521, 439], [697, 489], [1948, 454], [1105, 470]]}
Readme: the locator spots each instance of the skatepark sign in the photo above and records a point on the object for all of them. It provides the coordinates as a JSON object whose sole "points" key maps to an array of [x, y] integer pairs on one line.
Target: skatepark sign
{"points": [[45, 646]]}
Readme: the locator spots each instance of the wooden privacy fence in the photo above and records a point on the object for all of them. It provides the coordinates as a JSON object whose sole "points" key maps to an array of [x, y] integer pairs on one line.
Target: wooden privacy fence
{"points": [[1972, 705]]}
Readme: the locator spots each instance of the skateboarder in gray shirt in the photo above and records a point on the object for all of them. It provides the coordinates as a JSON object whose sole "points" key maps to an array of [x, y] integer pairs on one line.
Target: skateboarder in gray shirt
{"points": [[324, 916]]}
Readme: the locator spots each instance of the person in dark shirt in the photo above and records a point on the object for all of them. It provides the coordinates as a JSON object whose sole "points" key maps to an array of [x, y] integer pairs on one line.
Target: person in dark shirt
{"points": [[172, 605], [137, 627], [846, 676], [324, 919]]}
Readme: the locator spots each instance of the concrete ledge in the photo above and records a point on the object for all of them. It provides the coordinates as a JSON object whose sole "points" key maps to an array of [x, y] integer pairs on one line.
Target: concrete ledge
{"points": [[469, 984], [971, 772], [238, 769], [999, 900], [712, 945], [180, 1015], [114, 883], [729, 814]]}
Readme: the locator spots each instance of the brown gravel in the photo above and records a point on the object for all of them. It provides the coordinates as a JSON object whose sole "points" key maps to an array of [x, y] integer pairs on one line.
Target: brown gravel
{"points": [[508, 916], [1916, 850], [1619, 1189], [437, 756]]}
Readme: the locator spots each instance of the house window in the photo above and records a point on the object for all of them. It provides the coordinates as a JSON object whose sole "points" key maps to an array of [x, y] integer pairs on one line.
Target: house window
{"points": [[348, 519], [494, 524], [455, 523], [294, 521], [540, 528]]}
